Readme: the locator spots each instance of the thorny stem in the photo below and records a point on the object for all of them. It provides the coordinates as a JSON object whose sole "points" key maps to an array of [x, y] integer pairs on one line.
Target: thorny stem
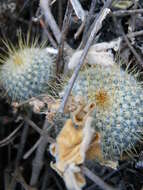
{"points": [[96, 27]]}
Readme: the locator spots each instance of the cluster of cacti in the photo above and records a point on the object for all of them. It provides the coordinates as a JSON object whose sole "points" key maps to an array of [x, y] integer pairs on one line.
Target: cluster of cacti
{"points": [[118, 113], [27, 72]]}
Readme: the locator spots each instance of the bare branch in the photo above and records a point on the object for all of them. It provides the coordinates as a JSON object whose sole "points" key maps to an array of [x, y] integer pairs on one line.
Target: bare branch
{"points": [[29, 152], [135, 34], [80, 13], [127, 12], [50, 19], [10, 137], [138, 58], [66, 21], [48, 33], [97, 180], [38, 160], [87, 22], [97, 25]]}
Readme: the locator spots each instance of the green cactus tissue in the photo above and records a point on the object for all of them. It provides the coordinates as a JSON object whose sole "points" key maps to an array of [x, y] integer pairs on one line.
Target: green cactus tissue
{"points": [[27, 72], [118, 112]]}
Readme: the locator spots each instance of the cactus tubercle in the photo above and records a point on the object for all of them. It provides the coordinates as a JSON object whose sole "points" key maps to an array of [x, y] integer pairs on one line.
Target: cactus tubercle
{"points": [[28, 71]]}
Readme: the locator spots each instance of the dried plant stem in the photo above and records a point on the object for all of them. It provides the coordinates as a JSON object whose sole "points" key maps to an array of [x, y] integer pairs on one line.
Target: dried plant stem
{"points": [[79, 11], [38, 160], [50, 19], [29, 152], [33, 125], [22, 143], [40, 131], [138, 58], [87, 22], [97, 25], [97, 180], [41, 147], [135, 34], [52, 41], [10, 137], [21, 147], [67, 17], [127, 12], [133, 17], [79, 31]]}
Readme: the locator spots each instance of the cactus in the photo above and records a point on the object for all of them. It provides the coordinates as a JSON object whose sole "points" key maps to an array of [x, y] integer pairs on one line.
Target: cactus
{"points": [[118, 113], [27, 72]]}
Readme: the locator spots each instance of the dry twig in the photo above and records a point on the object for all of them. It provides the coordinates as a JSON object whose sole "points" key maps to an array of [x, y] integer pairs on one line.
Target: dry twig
{"points": [[21, 147], [40, 131], [97, 25], [29, 152], [52, 41], [10, 137], [87, 22], [65, 26], [97, 180], [50, 19], [137, 56], [38, 160], [80, 13], [135, 34], [127, 12]]}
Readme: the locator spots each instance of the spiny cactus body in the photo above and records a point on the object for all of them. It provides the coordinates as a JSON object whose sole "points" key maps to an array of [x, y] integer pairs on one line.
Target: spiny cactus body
{"points": [[118, 113], [27, 72]]}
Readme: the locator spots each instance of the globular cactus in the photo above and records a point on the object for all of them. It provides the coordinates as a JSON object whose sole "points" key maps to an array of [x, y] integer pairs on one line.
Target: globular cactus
{"points": [[27, 72], [118, 112]]}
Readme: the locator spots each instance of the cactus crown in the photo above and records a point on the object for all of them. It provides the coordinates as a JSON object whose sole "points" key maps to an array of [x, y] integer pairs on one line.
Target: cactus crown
{"points": [[118, 113], [28, 71]]}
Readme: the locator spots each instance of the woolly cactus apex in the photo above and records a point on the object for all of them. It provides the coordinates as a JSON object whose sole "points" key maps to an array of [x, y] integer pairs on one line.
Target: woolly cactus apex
{"points": [[118, 113], [27, 72]]}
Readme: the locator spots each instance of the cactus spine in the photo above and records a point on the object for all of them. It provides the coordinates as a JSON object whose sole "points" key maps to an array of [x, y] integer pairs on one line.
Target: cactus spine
{"points": [[27, 72], [118, 114]]}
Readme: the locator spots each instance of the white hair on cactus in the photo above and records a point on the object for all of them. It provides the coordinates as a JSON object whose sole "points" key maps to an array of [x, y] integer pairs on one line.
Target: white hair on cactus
{"points": [[102, 58], [118, 114], [51, 50], [74, 60], [98, 54], [104, 46], [92, 58]]}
